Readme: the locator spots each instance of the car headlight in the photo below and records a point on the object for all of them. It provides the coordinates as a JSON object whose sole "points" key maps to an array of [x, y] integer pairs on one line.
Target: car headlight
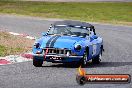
{"points": [[78, 47], [36, 45]]}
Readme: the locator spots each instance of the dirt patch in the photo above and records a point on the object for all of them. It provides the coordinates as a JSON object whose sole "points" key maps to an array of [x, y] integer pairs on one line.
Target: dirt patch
{"points": [[14, 44]]}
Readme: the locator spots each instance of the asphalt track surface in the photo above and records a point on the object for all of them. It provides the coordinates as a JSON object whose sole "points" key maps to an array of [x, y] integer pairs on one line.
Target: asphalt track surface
{"points": [[117, 58]]}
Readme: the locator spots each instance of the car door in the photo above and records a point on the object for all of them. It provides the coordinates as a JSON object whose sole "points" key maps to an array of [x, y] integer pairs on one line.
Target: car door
{"points": [[88, 43], [95, 44]]}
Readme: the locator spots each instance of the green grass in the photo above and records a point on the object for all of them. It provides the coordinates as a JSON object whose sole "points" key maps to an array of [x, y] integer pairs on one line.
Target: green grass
{"points": [[2, 50], [108, 12], [8, 50]]}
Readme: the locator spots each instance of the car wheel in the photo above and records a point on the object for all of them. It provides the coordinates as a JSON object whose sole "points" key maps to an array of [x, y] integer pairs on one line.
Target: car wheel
{"points": [[37, 62], [98, 58], [83, 61]]}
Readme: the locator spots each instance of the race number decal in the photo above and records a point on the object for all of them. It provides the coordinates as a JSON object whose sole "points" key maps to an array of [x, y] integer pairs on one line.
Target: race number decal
{"points": [[94, 49]]}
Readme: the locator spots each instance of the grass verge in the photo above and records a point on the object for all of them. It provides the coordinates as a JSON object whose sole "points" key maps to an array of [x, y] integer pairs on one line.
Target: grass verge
{"points": [[10, 44], [106, 12]]}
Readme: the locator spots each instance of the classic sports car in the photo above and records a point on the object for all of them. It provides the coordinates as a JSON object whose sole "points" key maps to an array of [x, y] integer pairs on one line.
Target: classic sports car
{"points": [[66, 42]]}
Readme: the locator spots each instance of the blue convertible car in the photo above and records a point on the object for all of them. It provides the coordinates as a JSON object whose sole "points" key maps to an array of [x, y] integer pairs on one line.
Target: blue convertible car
{"points": [[66, 42]]}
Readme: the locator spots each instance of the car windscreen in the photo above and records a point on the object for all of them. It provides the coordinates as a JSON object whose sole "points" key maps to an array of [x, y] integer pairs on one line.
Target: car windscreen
{"points": [[65, 30]]}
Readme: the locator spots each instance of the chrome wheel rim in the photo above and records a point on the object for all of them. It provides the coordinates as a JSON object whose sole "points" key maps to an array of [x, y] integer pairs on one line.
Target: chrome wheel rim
{"points": [[100, 56], [85, 59]]}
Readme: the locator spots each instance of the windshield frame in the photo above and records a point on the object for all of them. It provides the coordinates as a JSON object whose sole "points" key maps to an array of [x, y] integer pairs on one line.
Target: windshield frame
{"points": [[84, 31]]}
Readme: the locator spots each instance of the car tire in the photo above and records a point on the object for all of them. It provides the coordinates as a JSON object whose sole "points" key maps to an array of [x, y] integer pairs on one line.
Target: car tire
{"points": [[98, 58], [83, 61], [37, 62]]}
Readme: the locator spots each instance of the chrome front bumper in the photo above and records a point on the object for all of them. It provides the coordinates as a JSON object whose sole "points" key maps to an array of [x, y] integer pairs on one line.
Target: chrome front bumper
{"points": [[57, 58], [61, 56]]}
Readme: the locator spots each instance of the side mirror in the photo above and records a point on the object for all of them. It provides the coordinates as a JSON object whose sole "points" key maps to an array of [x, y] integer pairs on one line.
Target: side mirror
{"points": [[44, 33], [95, 36]]}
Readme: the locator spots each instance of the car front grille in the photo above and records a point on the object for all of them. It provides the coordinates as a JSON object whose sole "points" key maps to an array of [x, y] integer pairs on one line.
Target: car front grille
{"points": [[57, 51]]}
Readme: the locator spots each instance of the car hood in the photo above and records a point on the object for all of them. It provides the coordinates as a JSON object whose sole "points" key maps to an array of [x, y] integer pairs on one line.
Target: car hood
{"points": [[59, 41]]}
